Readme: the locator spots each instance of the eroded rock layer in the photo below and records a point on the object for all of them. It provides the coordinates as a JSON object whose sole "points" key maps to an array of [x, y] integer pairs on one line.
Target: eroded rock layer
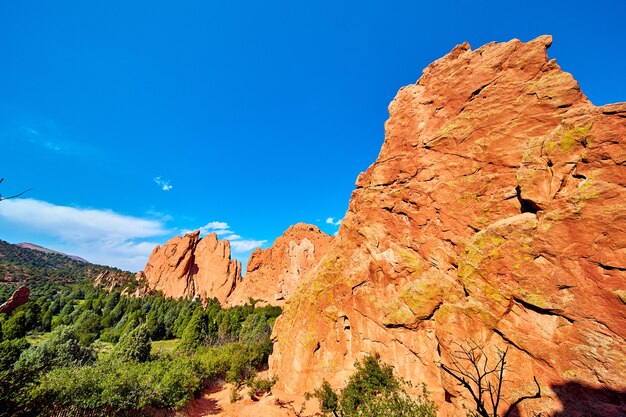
{"points": [[187, 266], [495, 213], [273, 273]]}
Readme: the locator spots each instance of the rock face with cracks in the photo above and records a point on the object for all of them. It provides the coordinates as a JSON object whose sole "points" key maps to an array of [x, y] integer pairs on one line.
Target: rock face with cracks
{"points": [[273, 273], [189, 267], [495, 213]]}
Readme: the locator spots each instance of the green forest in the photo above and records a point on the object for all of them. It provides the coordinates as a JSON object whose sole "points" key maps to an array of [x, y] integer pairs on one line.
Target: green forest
{"points": [[75, 347]]}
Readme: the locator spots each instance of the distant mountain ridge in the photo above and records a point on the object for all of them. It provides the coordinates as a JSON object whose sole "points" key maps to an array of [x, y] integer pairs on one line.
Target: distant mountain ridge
{"points": [[33, 267], [46, 250]]}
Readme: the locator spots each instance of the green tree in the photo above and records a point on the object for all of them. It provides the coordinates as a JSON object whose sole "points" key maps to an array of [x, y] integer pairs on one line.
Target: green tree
{"points": [[134, 345], [16, 326], [254, 329], [87, 327], [195, 333], [156, 328], [371, 377], [10, 351], [373, 390], [62, 349], [328, 399]]}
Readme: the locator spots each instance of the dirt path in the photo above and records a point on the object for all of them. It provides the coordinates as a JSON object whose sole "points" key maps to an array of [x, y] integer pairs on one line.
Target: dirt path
{"points": [[215, 401]]}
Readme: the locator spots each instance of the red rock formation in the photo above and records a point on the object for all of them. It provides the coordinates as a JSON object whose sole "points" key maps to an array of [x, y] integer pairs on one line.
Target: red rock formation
{"points": [[494, 213], [273, 273], [18, 298], [217, 275], [188, 266]]}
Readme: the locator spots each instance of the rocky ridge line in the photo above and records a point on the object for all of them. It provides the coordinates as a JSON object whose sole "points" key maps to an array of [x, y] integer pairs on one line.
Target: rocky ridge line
{"points": [[494, 214], [272, 274], [187, 267]]}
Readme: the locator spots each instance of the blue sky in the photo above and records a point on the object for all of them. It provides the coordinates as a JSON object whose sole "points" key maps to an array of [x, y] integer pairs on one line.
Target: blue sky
{"points": [[136, 120]]}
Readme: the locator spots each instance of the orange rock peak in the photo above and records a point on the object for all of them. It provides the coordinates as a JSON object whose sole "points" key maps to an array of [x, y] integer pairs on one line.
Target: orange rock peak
{"points": [[495, 214]]}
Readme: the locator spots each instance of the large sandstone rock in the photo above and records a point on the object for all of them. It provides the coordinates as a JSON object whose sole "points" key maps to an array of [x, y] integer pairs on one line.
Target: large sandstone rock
{"points": [[18, 298], [187, 266], [273, 273], [495, 213]]}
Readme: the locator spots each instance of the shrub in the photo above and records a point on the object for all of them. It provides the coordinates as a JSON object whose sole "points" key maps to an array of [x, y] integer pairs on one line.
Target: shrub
{"points": [[10, 351], [260, 386], [115, 388], [134, 346], [62, 349], [16, 326], [234, 394], [371, 378], [328, 399], [373, 390]]}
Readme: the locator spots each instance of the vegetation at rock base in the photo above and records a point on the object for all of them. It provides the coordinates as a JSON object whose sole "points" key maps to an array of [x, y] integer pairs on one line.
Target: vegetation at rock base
{"points": [[260, 386], [373, 390], [91, 350]]}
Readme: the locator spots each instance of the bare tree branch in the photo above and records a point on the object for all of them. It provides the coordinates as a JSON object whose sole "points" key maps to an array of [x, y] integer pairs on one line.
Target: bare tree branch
{"points": [[482, 380], [527, 397], [16, 195], [13, 196]]}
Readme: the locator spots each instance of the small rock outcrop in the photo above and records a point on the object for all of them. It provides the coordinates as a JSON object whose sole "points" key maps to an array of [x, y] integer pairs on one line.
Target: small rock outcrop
{"points": [[273, 273], [129, 284], [18, 298], [188, 266], [495, 214]]}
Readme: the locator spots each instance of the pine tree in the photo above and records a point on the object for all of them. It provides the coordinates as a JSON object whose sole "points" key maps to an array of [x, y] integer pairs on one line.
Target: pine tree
{"points": [[195, 333]]}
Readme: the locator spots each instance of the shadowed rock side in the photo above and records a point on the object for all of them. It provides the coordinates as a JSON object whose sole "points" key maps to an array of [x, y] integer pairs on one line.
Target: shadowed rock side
{"points": [[189, 267], [494, 213], [272, 274]]}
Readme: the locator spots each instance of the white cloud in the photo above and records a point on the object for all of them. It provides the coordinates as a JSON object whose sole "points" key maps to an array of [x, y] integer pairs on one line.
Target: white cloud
{"points": [[219, 228], [237, 243], [217, 225], [331, 220], [100, 236], [164, 184], [240, 246]]}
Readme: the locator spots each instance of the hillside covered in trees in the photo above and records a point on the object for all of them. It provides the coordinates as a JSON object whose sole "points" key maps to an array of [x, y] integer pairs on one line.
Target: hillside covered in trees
{"points": [[40, 271]]}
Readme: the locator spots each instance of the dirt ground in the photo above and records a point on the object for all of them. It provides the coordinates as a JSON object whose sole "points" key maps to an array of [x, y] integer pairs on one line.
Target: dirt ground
{"points": [[216, 401]]}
